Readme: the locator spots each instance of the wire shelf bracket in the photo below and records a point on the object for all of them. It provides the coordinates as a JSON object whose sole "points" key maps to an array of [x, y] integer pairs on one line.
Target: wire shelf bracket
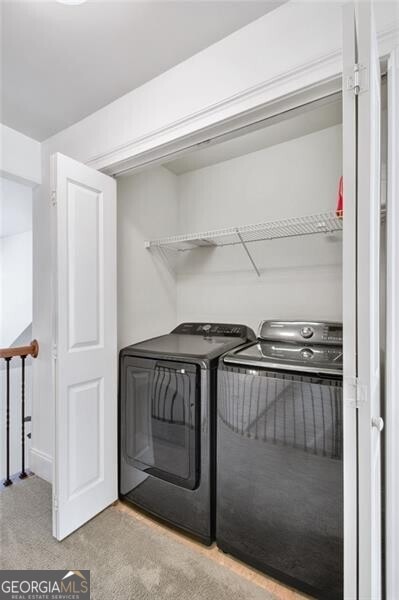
{"points": [[248, 253]]}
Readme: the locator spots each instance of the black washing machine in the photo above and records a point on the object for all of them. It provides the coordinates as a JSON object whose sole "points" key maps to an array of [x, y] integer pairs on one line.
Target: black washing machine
{"points": [[167, 416], [279, 455]]}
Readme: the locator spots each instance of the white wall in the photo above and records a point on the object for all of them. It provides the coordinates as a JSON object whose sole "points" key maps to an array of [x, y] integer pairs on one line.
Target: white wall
{"points": [[15, 207], [15, 259], [147, 208], [20, 156], [16, 286], [300, 278], [15, 308]]}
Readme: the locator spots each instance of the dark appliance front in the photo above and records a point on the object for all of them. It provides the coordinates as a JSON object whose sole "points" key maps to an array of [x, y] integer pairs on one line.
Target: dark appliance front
{"points": [[166, 423], [279, 462]]}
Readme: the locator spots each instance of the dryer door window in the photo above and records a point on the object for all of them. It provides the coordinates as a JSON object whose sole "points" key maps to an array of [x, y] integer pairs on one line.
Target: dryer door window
{"points": [[161, 421]]}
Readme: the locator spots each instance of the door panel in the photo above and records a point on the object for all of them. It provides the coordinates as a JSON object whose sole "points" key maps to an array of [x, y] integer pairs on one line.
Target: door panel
{"points": [[85, 353], [362, 114], [85, 407], [85, 262], [349, 307], [369, 220]]}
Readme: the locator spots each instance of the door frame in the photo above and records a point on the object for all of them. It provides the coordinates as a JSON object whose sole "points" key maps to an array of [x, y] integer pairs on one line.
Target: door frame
{"points": [[223, 130], [205, 135], [349, 280], [392, 329]]}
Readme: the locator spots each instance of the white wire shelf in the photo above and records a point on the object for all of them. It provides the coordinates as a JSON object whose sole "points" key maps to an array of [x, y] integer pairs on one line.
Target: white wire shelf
{"points": [[322, 223], [246, 234]]}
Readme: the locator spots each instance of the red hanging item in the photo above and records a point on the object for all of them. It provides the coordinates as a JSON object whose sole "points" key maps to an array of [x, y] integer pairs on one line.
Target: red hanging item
{"points": [[339, 211]]}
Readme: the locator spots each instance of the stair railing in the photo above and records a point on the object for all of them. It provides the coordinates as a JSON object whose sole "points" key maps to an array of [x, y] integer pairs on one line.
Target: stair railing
{"points": [[8, 354]]}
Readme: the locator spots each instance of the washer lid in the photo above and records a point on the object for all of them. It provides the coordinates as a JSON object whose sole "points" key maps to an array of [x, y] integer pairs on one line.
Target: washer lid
{"points": [[194, 340], [292, 357], [187, 346]]}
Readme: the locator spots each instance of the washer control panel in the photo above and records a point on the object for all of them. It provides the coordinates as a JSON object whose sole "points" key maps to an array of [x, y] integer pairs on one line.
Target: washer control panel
{"points": [[216, 330], [333, 334], [312, 332]]}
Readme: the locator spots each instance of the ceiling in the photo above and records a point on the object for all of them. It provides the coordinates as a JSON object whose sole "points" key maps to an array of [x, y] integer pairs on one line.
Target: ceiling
{"points": [[60, 63], [275, 130]]}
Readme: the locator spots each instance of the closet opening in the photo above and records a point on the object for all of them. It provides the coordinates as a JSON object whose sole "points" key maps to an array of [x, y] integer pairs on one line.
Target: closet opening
{"points": [[241, 230], [286, 167]]}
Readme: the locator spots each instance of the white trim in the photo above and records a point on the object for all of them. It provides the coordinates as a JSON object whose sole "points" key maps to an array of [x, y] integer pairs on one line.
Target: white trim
{"points": [[349, 312], [392, 349], [257, 102], [41, 464], [368, 306], [270, 90], [181, 142]]}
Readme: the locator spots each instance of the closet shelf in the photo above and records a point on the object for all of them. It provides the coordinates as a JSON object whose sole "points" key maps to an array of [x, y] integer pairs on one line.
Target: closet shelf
{"points": [[246, 234]]}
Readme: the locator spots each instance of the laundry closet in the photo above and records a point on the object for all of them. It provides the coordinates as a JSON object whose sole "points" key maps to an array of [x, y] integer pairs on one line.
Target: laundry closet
{"points": [[240, 231], [283, 168]]}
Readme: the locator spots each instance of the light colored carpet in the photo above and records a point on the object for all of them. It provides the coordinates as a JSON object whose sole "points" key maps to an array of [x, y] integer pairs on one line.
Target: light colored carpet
{"points": [[128, 560]]}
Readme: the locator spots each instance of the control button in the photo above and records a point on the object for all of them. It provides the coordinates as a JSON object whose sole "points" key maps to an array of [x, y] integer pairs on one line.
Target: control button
{"points": [[307, 353], [307, 332]]}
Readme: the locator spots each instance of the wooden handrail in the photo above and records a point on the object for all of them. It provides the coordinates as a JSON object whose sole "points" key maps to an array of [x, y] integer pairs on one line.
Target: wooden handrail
{"points": [[32, 350]]}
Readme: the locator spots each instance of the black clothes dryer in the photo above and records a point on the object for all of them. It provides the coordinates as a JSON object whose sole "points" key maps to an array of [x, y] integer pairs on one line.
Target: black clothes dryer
{"points": [[167, 430]]}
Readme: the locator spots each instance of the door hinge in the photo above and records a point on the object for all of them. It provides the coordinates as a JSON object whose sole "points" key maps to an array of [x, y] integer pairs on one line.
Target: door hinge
{"points": [[378, 423], [54, 351], [356, 392], [357, 82], [55, 503], [53, 198]]}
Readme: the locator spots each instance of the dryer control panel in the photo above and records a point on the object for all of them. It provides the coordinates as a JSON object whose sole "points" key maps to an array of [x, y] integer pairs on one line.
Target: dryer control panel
{"points": [[312, 332], [216, 330]]}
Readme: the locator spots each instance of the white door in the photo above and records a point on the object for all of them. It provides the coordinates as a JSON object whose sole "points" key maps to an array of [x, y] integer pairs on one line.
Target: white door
{"points": [[392, 350], [85, 349], [368, 261], [362, 173], [349, 311]]}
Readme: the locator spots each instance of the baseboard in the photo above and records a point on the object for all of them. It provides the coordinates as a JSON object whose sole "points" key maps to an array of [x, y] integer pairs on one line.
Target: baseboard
{"points": [[41, 464]]}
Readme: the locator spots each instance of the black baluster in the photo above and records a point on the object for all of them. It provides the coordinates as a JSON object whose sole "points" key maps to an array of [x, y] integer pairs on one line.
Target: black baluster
{"points": [[23, 473], [7, 480]]}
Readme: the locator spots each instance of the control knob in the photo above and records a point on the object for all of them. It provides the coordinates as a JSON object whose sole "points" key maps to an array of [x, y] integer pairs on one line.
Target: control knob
{"points": [[307, 332], [307, 353]]}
